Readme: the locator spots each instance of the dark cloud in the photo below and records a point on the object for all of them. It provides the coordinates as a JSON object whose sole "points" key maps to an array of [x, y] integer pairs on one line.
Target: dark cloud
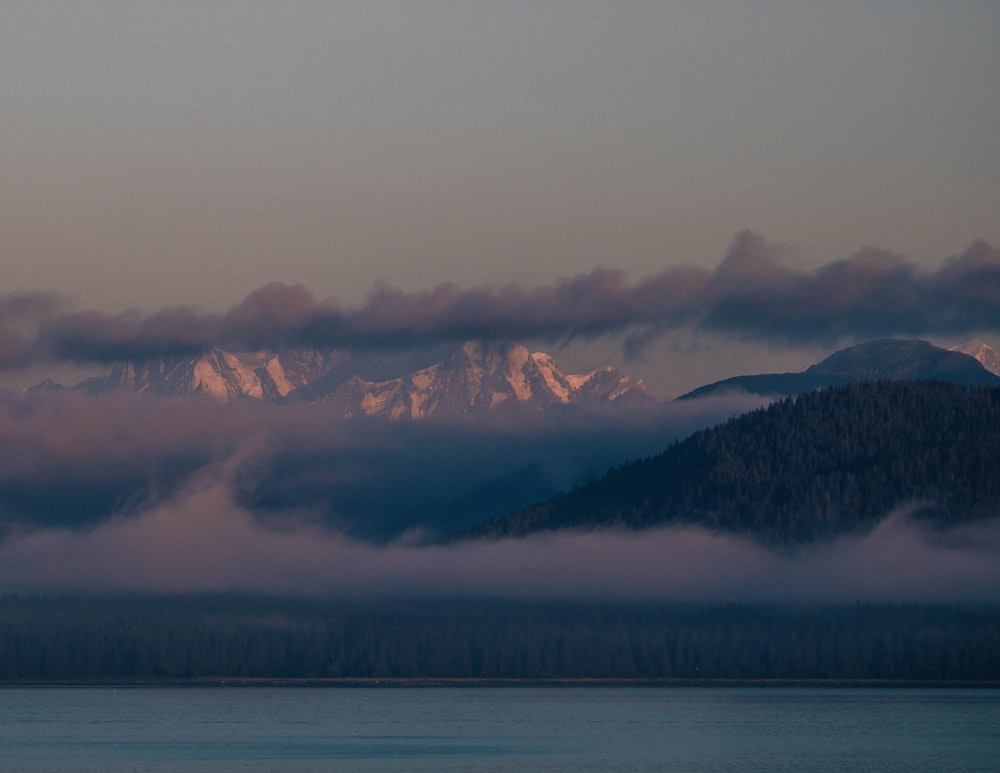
{"points": [[14, 350], [753, 293], [277, 314], [19, 313], [15, 307], [94, 336]]}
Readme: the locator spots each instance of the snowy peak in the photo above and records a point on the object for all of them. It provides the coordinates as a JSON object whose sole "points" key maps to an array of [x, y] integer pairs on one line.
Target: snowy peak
{"points": [[223, 375], [559, 384], [980, 350], [471, 378], [480, 377]]}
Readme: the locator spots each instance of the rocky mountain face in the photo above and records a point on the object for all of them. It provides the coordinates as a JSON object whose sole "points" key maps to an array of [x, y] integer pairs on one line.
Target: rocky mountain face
{"points": [[475, 377], [981, 351], [881, 360], [220, 374]]}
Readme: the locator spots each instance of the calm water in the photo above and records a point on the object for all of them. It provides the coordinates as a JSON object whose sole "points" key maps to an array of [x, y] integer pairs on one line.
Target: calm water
{"points": [[513, 729]]}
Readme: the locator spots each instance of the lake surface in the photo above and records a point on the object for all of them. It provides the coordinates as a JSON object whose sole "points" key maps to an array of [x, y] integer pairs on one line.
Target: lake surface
{"points": [[499, 729]]}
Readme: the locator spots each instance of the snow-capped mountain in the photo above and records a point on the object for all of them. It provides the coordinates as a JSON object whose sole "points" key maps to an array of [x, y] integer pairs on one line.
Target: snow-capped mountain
{"points": [[480, 377], [982, 351], [885, 359], [471, 378], [220, 374]]}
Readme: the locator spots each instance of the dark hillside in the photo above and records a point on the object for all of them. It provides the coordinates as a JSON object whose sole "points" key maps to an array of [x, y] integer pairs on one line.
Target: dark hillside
{"points": [[827, 463]]}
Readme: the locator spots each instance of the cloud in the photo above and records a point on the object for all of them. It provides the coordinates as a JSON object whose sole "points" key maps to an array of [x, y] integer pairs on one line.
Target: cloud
{"points": [[201, 540], [94, 336], [19, 312], [72, 459], [29, 305], [753, 293]]}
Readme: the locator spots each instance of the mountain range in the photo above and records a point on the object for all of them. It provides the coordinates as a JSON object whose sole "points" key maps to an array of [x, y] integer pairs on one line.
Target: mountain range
{"points": [[477, 377], [471, 378]]}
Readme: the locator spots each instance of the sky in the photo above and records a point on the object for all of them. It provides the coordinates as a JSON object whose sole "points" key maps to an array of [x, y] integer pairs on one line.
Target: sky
{"points": [[163, 154]]}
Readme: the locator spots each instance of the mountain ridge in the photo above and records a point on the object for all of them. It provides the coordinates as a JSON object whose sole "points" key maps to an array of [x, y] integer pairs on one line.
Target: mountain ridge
{"points": [[476, 377], [881, 359], [472, 378]]}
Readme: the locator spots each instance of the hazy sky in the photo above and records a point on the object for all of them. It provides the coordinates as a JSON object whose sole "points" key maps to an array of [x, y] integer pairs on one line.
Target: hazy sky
{"points": [[163, 153]]}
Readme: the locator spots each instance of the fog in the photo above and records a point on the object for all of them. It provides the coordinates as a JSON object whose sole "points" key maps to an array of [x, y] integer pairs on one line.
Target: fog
{"points": [[201, 540]]}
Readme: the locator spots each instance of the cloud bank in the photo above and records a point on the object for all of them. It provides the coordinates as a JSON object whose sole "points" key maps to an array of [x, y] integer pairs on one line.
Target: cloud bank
{"points": [[752, 293], [202, 541]]}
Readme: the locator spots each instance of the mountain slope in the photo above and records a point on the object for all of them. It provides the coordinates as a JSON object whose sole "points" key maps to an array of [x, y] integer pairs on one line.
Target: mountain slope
{"points": [[828, 463], [886, 359]]}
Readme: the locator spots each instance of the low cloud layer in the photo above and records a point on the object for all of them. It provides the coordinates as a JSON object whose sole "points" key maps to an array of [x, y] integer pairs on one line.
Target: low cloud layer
{"points": [[753, 293], [202, 541]]}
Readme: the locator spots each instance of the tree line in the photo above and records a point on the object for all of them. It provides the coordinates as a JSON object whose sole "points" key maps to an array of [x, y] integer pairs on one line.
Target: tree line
{"points": [[141, 637]]}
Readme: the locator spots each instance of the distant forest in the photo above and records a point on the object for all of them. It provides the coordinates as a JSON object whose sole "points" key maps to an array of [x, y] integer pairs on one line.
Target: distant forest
{"points": [[69, 638], [823, 464]]}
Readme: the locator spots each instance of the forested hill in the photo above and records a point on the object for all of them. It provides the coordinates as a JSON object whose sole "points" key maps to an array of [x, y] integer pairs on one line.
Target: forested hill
{"points": [[824, 464]]}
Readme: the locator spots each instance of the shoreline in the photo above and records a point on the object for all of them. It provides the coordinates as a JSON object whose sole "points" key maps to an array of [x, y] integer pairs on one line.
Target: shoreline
{"points": [[473, 683]]}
